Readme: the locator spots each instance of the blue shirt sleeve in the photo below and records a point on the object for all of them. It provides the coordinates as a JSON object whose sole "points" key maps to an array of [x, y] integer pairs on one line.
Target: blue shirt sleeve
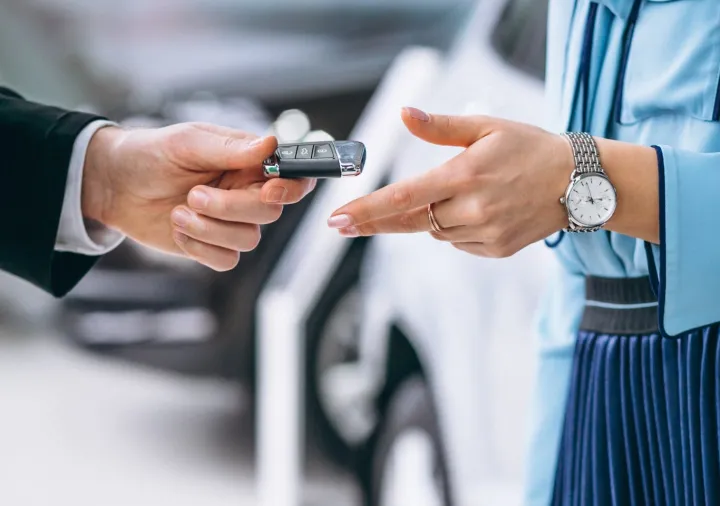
{"points": [[685, 267]]}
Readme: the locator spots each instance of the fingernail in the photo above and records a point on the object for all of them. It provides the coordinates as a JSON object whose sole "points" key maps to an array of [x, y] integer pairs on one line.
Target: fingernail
{"points": [[349, 232], [256, 142], [417, 114], [181, 217], [277, 194], [179, 237], [198, 199], [340, 221]]}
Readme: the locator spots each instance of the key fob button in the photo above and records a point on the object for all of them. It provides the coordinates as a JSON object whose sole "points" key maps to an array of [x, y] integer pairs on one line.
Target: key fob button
{"points": [[304, 152], [323, 151], [287, 152]]}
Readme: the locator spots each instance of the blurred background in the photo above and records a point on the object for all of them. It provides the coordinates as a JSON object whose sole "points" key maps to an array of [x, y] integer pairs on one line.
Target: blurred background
{"points": [[321, 371]]}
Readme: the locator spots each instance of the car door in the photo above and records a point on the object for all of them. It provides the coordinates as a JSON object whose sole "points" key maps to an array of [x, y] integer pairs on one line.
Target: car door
{"points": [[470, 320]]}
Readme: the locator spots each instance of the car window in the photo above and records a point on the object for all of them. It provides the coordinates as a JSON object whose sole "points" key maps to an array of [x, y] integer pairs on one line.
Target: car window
{"points": [[520, 35]]}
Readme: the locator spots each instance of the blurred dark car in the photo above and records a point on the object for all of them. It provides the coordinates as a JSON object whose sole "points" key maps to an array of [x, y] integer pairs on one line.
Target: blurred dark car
{"points": [[238, 63]]}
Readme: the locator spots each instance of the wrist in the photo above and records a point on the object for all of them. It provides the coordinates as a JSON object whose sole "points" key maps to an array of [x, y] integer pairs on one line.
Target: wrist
{"points": [[98, 192], [633, 171], [564, 167]]}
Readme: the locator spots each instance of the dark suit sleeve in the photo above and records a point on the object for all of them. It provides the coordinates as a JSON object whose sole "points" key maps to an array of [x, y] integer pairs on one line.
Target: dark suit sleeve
{"points": [[36, 143]]}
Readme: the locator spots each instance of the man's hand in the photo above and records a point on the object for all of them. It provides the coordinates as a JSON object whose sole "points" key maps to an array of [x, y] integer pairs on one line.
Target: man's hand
{"points": [[191, 189]]}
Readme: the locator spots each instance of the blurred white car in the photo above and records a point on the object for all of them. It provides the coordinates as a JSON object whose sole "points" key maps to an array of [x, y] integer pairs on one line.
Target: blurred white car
{"points": [[238, 63], [433, 348]]}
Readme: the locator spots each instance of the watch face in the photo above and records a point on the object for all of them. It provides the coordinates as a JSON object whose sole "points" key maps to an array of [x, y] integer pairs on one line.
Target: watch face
{"points": [[592, 200]]}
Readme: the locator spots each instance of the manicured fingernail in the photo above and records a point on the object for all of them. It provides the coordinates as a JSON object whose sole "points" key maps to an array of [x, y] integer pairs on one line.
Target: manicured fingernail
{"points": [[340, 221], [198, 199], [181, 217], [256, 142], [179, 237], [417, 114], [349, 232], [277, 194]]}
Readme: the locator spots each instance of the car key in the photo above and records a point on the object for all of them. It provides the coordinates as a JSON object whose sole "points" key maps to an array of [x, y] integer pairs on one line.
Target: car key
{"points": [[327, 159]]}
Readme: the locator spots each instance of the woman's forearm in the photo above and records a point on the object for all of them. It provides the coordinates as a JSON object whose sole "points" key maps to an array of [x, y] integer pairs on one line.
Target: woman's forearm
{"points": [[633, 170]]}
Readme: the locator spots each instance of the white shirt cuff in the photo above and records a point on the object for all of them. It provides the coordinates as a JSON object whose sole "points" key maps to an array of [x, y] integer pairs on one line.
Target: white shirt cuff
{"points": [[75, 234]]}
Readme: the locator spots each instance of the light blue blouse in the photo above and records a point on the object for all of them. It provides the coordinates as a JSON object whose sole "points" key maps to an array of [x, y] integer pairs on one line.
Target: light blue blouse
{"points": [[651, 69]]}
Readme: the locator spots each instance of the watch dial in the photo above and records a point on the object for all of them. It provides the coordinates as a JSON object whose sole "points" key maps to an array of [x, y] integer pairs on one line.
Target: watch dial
{"points": [[592, 200]]}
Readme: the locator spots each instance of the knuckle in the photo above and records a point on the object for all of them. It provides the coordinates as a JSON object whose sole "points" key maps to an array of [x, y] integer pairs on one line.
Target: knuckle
{"points": [[175, 143], [222, 205], [193, 248], [228, 263], [460, 247], [502, 250], [475, 212], [401, 199], [466, 176], [366, 230], [199, 227], [274, 212], [406, 223], [229, 142], [494, 234], [233, 261], [254, 238]]}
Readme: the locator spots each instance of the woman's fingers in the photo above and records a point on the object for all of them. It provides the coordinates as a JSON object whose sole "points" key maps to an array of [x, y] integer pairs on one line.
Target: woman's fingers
{"points": [[487, 250], [435, 185], [474, 248], [241, 205], [405, 223], [459, 131], [461, 212], [215, 257], [229, 235]]}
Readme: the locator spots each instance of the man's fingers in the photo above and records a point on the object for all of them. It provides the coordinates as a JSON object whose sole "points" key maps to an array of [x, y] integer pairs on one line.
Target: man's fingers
{"points": [[241, 205], [226, 131], [286, 191], [233, 236], [459, 131], [197, 148], [219, 259]]}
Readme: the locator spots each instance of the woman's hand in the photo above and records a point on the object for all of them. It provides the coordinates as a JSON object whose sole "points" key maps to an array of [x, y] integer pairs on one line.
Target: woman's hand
{"points": [[495, 198]]}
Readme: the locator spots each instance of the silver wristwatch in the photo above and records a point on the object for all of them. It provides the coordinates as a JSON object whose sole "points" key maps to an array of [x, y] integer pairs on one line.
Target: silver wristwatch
{"points": [[590, 198]]}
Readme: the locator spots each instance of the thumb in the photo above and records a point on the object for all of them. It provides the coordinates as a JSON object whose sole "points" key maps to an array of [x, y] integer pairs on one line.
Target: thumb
{"points": [[205, 147], [459, 131]]}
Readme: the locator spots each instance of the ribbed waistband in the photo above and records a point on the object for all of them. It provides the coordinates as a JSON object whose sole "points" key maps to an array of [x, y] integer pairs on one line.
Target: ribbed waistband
{"points": [[620, 306]]}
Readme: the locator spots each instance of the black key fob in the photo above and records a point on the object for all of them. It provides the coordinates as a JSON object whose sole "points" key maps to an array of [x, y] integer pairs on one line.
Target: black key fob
{"points": [[327, 159]]}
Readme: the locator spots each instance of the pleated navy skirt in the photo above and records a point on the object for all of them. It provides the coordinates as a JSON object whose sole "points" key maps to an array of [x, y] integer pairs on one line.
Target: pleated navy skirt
{"points": [[641, 425]]}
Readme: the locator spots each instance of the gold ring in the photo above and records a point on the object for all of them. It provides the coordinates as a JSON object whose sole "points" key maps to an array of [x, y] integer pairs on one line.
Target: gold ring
{"points": [[433, 221]]}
